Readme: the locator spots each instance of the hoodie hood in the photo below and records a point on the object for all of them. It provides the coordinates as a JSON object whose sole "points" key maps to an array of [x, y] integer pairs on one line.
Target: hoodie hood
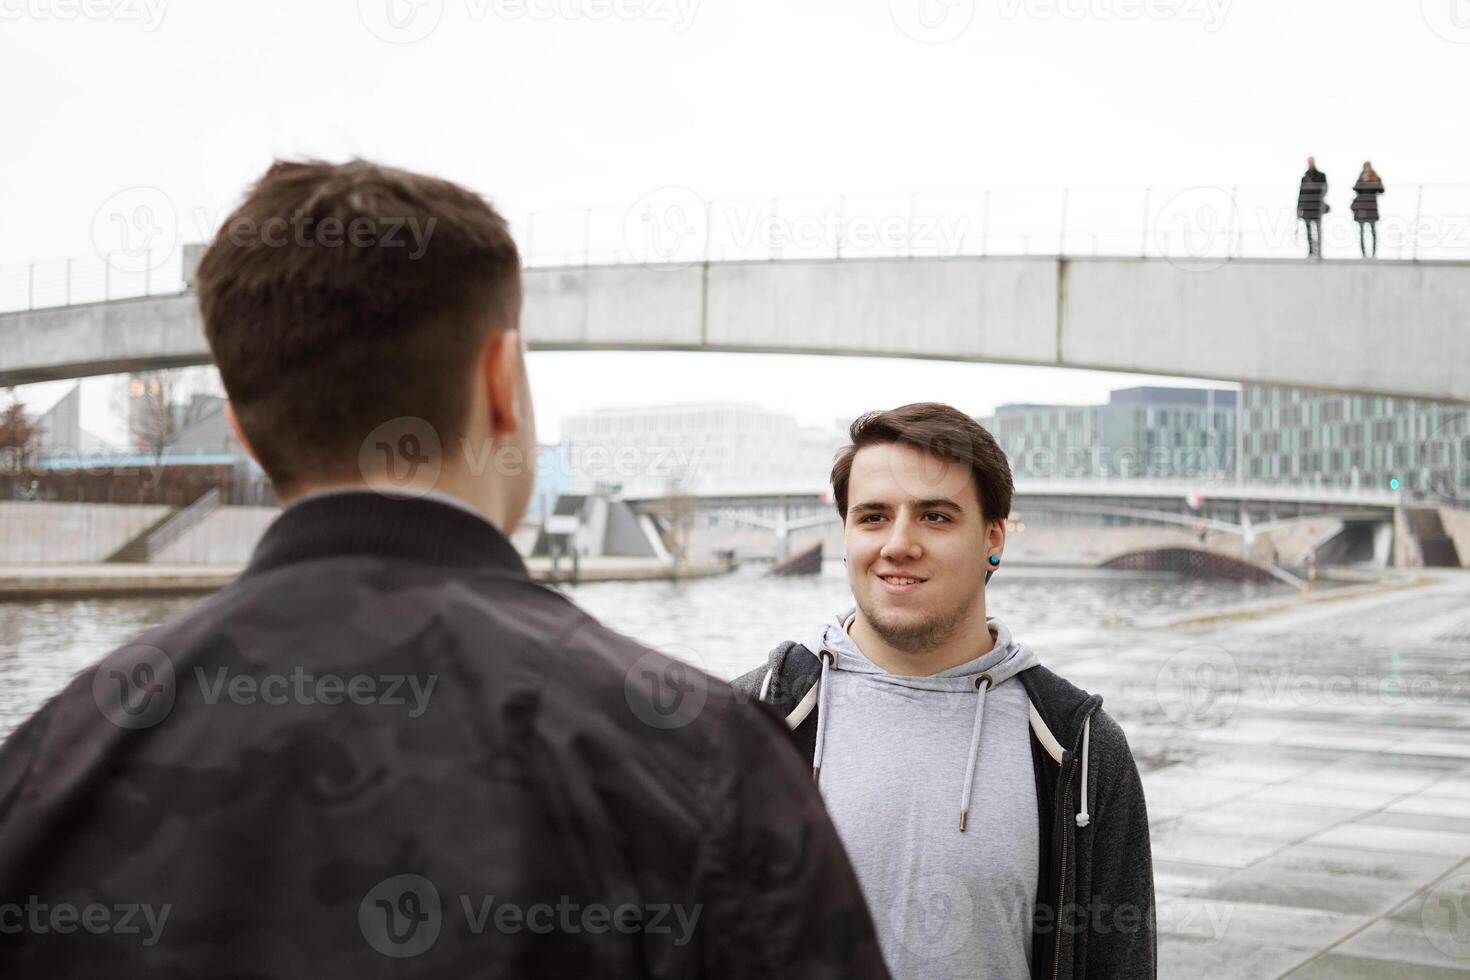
{"points": [[1005, 659], [837, 651]]}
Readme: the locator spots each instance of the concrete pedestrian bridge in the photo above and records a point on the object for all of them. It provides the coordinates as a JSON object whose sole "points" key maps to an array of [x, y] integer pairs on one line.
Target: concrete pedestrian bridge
{"points": [[1387, 327]]}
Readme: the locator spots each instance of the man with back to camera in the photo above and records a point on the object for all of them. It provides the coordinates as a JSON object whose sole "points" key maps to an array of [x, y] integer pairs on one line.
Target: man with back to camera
{"points": [[992, 810], [382, 749]]}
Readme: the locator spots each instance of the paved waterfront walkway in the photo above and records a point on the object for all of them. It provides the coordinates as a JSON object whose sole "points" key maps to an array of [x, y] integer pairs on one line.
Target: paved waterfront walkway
{"points": [[1308, 783]]}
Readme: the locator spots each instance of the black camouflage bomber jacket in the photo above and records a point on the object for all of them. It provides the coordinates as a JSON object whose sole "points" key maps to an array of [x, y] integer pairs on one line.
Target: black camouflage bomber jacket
{"points": [[382, 751]]}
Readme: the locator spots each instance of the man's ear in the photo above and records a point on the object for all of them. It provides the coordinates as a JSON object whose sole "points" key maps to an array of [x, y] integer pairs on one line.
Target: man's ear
{"points": [[500, 369], [234, 422], [995, 536]]}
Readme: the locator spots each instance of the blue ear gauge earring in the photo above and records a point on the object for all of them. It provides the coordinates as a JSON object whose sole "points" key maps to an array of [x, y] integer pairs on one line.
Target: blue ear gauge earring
{"points": [[994, 561]]}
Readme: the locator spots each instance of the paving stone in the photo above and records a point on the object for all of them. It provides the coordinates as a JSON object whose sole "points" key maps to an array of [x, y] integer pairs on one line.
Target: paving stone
{"points": [[1187, 958], [1408, 942], [1402, 839], [1273, 925], [1305, 890], [1417, 821], [1337, 967]]}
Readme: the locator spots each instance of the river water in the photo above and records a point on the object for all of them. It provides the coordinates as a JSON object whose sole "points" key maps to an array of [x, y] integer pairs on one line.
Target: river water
{"points": [[724, 625]]}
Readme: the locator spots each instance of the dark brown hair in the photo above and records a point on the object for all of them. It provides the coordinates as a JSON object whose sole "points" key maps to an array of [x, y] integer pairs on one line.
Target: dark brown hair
{"points": [[340, 296], [945, 432]]}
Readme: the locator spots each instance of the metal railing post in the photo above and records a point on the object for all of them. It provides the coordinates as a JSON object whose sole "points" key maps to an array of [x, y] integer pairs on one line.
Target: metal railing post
{"points": [[586, 237], [841, 221], [985, 225], [106, 278], [775, 254], [67, 291], [31, 287], [1418, 213], [530, 238], [148, 270], [1062, 231], [913, 218], [1148, 193], [1230, 232]]}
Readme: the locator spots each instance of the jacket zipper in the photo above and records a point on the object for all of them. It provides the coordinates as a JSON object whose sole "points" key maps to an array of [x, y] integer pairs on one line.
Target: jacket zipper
{"points": [[1056, 967]]}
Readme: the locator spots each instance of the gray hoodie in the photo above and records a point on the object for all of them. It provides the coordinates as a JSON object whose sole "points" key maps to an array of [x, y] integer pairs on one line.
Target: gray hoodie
{"points": [[1094, 914], [930, 784]]}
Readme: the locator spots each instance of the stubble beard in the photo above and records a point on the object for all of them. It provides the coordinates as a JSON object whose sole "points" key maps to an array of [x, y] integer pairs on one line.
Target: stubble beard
{"points": [[917, 637]]}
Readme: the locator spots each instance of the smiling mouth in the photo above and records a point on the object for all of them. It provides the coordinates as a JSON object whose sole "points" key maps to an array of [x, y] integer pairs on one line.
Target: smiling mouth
{"points": [[901, 579]]}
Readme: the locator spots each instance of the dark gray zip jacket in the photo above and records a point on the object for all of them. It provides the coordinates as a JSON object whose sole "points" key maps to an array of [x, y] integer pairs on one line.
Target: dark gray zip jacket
{"points": [[1095, 914]]}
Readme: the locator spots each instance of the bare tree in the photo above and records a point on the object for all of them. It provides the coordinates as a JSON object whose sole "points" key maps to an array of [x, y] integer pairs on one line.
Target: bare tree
{"points": [[676, 511], [160, 406]]}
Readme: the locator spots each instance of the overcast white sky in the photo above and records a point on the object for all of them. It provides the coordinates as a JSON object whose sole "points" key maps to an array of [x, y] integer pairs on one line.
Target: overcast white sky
{"points": [[553, 103]]}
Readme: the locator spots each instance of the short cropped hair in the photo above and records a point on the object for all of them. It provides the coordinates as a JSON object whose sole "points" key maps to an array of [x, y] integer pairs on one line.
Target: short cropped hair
{"points": [[945, 432], [341, 296]]}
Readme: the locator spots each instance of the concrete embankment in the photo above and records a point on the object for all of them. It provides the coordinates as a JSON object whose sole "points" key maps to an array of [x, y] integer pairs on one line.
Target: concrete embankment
{"points": [[107, 580]]}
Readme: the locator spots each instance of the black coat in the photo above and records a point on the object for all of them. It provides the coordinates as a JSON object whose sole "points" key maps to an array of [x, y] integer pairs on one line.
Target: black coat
{"points": [[1365, 205], [552, 807], [1311, 200]]}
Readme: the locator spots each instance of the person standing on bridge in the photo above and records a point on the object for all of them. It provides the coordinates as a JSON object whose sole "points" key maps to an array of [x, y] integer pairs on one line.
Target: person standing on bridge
{"points": [[993, 810], [1365, 206], [1311, 205], [382, 749]]}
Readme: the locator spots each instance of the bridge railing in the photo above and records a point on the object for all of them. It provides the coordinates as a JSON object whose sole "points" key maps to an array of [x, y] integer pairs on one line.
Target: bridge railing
{"points": [[92, 278], [1200, 227]]}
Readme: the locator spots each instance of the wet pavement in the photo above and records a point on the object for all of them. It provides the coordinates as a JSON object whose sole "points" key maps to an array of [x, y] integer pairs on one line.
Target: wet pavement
{"points": [[1308, 783]]}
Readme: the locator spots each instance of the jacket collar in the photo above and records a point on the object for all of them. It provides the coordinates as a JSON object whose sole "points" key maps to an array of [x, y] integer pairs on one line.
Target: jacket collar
{"points": [[363, 522]]}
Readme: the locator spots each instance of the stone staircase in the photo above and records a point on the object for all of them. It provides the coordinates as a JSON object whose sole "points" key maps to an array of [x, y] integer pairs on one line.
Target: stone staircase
{"points": [[1435, 546], [168, 529]]}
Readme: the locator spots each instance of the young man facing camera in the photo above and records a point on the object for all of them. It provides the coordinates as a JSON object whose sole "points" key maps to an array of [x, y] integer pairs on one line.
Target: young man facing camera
{"points": [[383, 750], [992, 810]]}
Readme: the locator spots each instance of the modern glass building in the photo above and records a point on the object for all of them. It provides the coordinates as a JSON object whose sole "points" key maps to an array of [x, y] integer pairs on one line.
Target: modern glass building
{"points": [[1286, 435], [1141, 433], [1295, 436]]}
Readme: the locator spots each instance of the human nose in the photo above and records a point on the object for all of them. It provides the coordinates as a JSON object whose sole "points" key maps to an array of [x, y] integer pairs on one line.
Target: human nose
{"points": [[902, 544]]}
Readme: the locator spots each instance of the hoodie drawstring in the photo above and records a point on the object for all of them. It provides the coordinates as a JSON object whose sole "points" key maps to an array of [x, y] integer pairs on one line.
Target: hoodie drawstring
{"points": [[827, 658], [982, 687], [1082, 818]]}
